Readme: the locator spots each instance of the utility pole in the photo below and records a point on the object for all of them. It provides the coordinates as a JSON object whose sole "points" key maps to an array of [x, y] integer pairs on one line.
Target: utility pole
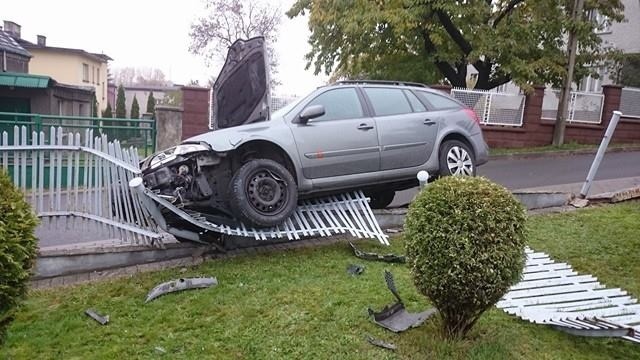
{"points": [[565, 94]]}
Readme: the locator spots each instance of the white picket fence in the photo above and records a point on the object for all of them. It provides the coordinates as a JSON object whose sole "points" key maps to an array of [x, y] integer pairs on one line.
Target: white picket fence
{"points": [[584, 107], [73, 180], [493, 108]]}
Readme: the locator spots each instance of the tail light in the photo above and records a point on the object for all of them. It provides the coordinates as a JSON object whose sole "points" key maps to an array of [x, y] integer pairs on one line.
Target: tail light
{"points": [[472, 115]]}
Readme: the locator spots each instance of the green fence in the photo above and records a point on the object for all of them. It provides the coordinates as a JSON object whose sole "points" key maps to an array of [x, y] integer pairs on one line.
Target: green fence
{"points": [[140, 133]]}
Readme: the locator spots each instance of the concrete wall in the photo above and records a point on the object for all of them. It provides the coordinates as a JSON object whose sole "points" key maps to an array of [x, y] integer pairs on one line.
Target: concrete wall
{"points": [[66, 67], [168, 126]]}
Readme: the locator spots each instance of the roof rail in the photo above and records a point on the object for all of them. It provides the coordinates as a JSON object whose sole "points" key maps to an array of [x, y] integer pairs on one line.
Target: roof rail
{"points": [[380, 82]]}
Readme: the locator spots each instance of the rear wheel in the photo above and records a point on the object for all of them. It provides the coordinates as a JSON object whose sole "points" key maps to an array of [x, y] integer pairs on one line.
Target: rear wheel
{"points": [[263, 193], [381, 199], [456, 158]]}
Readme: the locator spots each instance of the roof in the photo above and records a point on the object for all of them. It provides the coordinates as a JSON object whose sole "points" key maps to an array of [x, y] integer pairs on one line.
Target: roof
{"points": [[8, 44], [94, 56], [24, 80]]}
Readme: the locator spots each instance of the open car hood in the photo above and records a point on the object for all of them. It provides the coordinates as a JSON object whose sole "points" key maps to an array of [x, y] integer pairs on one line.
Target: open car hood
{"points": [[241, 91]]}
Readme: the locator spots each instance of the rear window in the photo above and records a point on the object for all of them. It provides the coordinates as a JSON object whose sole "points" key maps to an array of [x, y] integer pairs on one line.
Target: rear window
{"points": [[438, 102], [387, 101]]}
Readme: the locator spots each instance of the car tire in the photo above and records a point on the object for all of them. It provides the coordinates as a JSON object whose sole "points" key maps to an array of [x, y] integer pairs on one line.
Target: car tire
{"points": [[262, 193], [456, 158], [381, 199]]}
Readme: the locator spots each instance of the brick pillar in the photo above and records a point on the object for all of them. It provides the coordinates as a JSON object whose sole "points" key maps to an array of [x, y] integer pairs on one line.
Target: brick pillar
{"points": [[533, 108], [612, 94], [195, 120], [442, 87], [168, 126]]}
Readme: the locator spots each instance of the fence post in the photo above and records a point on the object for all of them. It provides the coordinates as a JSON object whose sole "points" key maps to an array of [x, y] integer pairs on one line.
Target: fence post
{"points": [[37, 119], [168, 127], [612, 97]]}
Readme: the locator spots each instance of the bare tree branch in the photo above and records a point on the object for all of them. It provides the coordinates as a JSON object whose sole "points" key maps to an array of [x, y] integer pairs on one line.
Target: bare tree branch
{"points": [[506, 11]]}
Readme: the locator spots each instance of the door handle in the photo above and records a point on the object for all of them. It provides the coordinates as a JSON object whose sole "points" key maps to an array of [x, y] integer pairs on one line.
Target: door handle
{"points": [[429, 122], [365, 126]]}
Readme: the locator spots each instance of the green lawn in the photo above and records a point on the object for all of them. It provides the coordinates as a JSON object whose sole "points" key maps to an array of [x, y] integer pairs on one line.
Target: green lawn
{"points": [[301, 304], [550, 148]]}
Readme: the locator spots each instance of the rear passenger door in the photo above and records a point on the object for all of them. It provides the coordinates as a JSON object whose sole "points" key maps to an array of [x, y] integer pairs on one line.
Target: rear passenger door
{"points": [[406, 131]]}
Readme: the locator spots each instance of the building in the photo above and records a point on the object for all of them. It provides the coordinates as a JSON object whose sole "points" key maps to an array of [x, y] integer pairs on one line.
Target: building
{"points": [[75, 67], [21, 92], [160, 93]]}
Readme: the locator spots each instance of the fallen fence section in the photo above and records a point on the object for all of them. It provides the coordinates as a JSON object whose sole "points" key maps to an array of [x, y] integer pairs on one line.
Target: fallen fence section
{"points": [[68, 178], [332, 215], [552, 293]]}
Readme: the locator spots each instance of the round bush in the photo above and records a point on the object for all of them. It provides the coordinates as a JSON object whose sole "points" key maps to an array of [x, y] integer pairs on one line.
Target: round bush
{"points": [[465, 240], [18, 247]]}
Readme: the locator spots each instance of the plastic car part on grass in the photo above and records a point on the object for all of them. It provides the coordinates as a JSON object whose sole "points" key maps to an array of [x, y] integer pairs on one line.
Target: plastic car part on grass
{"points": [[395, 317], [103, 320], [180, 285], [355, 269], [390, 258], [380, 343]]}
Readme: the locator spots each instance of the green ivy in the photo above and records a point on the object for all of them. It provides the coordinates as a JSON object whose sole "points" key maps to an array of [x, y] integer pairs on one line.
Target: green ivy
{"points": [[465, 241], [18, 246]]}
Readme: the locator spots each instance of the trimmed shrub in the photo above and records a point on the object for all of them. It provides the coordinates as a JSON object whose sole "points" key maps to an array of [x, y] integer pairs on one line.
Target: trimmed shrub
{"points": [[18, 246], [465, 240]]}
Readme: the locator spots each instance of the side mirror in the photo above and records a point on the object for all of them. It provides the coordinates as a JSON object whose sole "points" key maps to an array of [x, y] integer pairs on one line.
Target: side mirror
{"points": [[311, 112]]}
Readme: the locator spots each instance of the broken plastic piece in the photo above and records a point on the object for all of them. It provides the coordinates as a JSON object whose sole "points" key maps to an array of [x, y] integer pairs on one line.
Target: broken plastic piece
{"points": [[354, 269], [395, 317], [380, 343], [179, 285], [390, 258], [103, 320]]}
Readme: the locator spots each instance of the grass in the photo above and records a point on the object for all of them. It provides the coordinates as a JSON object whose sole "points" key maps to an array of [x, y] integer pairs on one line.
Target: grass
{"points": [[550, 148], [301, 304]]}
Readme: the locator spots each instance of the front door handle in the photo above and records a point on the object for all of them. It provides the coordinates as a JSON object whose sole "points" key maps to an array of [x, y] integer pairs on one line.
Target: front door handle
{"points": [[365, 126], [429, 122]]}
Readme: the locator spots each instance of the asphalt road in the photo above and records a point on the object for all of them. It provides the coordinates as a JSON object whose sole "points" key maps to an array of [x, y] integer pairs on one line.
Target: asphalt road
{"points": [[514, 174], [528, 173]]}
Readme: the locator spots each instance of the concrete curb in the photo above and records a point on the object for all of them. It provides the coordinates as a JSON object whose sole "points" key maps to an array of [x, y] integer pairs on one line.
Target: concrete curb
{"points": [[58, 267], [563, 153]]}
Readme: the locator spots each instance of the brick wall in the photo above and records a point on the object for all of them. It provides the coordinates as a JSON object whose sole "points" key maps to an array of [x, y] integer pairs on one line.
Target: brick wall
{"points": [[195, 118]]}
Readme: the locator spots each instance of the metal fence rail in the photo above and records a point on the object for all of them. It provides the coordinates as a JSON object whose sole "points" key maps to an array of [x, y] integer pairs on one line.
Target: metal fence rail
{"points": [[68, 177], [583, 107], [493, 108], [552, 293], [630, 102], [132, 132]]}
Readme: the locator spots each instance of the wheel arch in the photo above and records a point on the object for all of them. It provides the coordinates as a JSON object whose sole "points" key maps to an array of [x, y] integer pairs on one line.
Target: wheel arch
{"points": [[457, 136], [266, 150]]}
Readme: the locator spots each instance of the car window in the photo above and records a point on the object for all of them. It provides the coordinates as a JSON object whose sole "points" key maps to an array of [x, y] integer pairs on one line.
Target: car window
{"points": [[386, 101], [338, 104], [415, 103], [438, 102]]}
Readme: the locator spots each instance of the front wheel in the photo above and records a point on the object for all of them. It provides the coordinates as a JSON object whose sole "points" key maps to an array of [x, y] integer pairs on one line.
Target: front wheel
{"points": [[456, 158], [263, 193]]}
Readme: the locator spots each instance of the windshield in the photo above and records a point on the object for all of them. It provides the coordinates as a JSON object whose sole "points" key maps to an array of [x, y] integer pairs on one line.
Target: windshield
{"points": [[285, 110]]}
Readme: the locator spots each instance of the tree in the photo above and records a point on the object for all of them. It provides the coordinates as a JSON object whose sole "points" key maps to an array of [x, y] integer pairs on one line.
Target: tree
{"points": [[121, 113], [173, 98], [628, 71], [230, 20], [428, 41], [151, 104], [135, 109], [107, 113], [94, 105]]}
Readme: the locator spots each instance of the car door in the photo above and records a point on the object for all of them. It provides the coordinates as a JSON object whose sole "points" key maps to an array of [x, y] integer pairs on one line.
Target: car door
{"points": [[344, 141], [406, 130]]}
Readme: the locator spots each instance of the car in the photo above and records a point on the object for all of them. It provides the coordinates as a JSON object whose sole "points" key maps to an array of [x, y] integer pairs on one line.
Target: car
{"points": [[369, 135]]}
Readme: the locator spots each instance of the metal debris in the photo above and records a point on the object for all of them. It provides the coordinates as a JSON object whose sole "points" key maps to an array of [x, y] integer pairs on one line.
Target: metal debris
{"points": [[179, 285], [355, 269], [395, 317], [394, 231], [390, 258], [103, 320], [380, 343]]}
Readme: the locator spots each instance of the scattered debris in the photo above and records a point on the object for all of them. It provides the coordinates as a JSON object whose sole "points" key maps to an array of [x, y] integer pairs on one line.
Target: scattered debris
{"points": [[394, 231], [179, 285], [390, 258], [160, 349], [579, 203], [380, 343], [103, 320], [395, 317], [355, 269]]}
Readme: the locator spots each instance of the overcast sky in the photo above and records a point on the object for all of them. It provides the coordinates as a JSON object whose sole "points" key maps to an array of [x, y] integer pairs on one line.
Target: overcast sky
{"points": [[147, 33]]}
